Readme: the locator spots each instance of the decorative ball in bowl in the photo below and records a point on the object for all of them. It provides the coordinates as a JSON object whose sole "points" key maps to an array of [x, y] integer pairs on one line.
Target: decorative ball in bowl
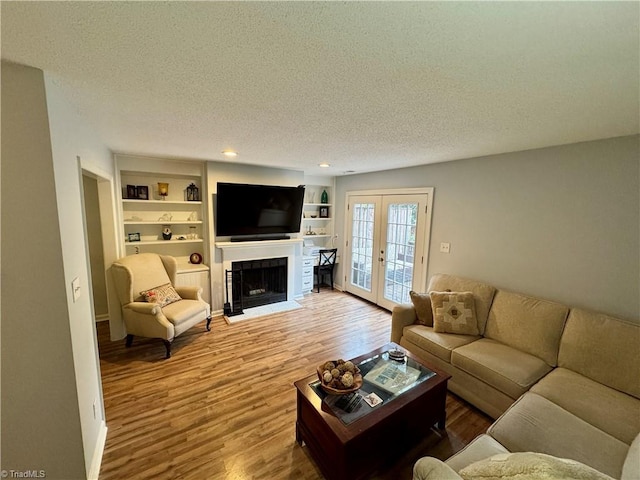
{"points": [[338, 377]]}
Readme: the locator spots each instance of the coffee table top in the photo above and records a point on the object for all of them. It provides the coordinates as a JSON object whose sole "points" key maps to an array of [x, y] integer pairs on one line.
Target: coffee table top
{"points": [[395, 383]]}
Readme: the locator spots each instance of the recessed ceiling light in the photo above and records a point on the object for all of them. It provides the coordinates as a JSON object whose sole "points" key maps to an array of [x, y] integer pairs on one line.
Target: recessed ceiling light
{"points": [[324, 165], [229, 153]]}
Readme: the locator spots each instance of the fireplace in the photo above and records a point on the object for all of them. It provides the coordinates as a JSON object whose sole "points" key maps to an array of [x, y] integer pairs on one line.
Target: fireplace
{"points": [[258, 282], [283, 255]]}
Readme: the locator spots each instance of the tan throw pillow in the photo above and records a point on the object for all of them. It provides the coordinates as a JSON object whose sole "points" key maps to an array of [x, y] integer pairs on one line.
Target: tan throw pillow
{"points": [[162, 295], [454, 312], [422, 304], [521, 465]]}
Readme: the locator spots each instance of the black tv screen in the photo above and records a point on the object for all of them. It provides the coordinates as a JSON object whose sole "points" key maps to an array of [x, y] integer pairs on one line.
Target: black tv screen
{"points": [[247, 209]]}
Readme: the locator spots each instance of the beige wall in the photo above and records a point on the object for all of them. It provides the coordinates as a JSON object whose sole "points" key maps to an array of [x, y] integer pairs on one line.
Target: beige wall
{"points": [[53, 415], [562, 223], [75, 147], [41, 427]]}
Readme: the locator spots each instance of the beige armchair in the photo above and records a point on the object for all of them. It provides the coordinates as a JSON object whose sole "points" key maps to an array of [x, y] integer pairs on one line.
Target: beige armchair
{"points": [[145, 285]]}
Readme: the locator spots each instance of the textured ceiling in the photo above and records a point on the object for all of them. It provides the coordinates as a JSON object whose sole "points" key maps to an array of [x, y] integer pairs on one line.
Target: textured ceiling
{"points": [[363, 86]]}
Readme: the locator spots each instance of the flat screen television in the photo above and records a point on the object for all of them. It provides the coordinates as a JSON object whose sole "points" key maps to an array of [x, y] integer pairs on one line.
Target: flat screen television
{"points": [[246, 209]]}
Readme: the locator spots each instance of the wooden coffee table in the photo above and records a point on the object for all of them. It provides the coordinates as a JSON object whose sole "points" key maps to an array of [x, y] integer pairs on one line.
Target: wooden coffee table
{"points": [[348, 448]]}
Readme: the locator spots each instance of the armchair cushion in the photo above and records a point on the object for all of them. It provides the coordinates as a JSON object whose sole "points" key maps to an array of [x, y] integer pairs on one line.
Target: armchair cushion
{"points": [[162, 295]]}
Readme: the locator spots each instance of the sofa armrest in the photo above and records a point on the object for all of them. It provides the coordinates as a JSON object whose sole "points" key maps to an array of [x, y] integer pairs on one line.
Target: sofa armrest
{"points": [[190, 292], [429, 468], [401, 316]]}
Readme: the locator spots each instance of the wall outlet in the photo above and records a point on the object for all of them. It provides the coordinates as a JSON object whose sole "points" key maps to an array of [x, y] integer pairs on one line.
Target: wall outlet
{"points": [[445, 247]]}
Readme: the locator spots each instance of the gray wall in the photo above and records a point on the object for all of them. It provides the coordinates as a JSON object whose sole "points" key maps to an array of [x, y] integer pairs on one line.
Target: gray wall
{"points": [[562, 223]]}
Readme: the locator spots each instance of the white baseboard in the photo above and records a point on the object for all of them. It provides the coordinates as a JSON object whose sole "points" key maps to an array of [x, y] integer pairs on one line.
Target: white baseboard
{"points": [[102, 318], [96, 461]]}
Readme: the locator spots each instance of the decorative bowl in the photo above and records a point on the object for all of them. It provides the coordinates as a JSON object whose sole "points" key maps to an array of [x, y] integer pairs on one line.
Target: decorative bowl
{"points": [[357, 381]]}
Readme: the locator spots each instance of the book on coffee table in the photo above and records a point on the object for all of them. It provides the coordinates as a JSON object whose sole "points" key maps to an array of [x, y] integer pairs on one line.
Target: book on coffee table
{"points": [[391, 376]]}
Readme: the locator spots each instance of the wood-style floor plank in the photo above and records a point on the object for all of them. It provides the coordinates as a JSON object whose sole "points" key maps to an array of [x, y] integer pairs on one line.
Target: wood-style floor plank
{"points": [[224, 405]]}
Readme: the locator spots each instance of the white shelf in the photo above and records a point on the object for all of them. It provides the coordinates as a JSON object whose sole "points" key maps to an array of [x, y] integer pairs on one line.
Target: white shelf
{"points": [[316, 236], [318, 205], [161, 242], [317, 218], [160, 202], [163, 222]]}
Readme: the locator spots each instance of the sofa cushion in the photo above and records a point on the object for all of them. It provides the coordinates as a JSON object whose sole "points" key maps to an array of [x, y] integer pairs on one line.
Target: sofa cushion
{"points": [[519, 465], [602, 348], [528, 324], [422, 305], [503, 367], [483, 446], [631, 466], [612, 411], [439, 344], [536, 424], [454, 312], [482, 293]]}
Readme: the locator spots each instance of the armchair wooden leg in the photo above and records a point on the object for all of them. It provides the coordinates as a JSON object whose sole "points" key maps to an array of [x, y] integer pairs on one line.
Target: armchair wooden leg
{"points": [[129, 340], [167, 345], [208, 324]]}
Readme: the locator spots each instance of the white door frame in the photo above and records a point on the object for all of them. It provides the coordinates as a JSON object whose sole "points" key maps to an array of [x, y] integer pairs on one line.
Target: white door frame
{"points": [[429, 191]]}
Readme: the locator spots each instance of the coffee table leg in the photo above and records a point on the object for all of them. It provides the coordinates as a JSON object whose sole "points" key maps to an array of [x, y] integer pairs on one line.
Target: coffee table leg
{"points": [[298, 435]]}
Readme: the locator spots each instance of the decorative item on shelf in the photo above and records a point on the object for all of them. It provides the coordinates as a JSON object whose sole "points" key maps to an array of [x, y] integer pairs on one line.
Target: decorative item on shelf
{"points": [[324, 198], [163, 190], [193, 217], [195, 258], [193, 193], [134, 237], [312, 197], [309, 231], [166, 232], [166, 217], [324, 212], [132, 192], [133, 218], [143, 192], [192, 233]]}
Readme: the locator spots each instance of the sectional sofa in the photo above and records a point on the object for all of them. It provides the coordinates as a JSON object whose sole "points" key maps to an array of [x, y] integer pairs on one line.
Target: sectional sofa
{"points": [[562, 382]]}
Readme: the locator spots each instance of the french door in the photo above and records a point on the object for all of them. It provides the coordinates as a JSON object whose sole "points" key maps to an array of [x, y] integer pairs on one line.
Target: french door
{"points": [[387, 245]]}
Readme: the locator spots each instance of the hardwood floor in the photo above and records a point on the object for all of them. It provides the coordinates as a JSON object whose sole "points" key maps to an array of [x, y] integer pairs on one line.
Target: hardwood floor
{"points": [[224, 405]]}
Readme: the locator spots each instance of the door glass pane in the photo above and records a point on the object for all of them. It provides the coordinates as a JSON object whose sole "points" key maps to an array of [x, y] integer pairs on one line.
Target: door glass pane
{"points": [[400, 249], [362, 245]]}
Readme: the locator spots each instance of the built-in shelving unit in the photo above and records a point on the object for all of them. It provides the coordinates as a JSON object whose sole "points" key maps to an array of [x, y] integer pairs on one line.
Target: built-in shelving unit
{"points": [[315, 227], [142, 220], [316, 230]]}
